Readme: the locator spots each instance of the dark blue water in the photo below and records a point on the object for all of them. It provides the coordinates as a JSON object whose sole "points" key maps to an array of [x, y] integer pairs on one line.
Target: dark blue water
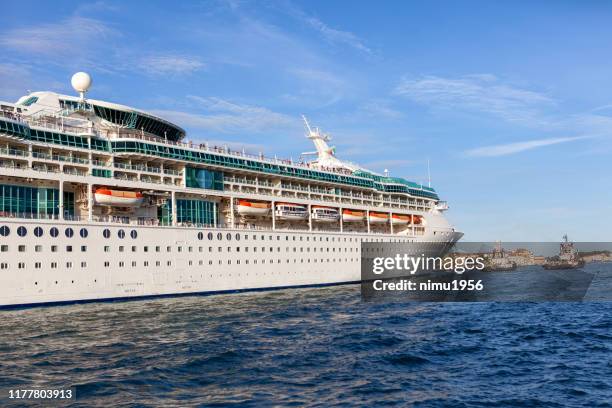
{"points": [[316, 347]]}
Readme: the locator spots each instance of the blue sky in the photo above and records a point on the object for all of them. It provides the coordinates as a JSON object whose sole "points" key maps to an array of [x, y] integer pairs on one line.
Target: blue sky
{"points": [[510, 101]]}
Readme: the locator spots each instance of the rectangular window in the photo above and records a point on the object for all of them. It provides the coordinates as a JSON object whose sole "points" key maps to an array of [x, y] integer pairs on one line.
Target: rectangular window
{"points": [[68, 248], [38, 248], [22, 248]]}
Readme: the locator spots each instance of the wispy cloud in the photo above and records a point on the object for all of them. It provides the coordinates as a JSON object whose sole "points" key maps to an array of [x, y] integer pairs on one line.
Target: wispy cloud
{"points": [[330, 34], [336, 36], [158, 65], [379, 108], [219, 115], [72, 37], [512, 148], [482, 93], [607, 107]]}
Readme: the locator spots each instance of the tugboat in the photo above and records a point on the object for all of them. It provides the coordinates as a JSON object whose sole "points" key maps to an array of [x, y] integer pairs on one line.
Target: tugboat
{"points": [[499, 261], [567, 259]]}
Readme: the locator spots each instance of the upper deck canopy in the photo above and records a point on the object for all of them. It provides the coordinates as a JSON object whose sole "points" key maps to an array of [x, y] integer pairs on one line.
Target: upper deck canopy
{"points": [[120, 115]]}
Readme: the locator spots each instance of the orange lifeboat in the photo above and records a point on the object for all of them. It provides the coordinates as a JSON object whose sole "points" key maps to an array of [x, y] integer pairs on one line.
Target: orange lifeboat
{"points": [[378, 218], [400, 219], [254, 208], [353, 216], [118, 198]]}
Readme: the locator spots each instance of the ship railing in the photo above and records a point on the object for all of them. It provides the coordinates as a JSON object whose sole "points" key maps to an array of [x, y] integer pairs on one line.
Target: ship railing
{"points": [[220, 149], [52, 123], [125, 166], [41, 155], [11, 165], [28, 215], [17, 117], [69, 159], [75, 172], [121, 220], [172, 172], [112, 219], [99, 163], [13, 152]]}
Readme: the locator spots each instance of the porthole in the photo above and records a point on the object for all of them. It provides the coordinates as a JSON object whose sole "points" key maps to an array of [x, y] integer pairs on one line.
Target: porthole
{"points": [[228, 236], [22, 231], [5, 231], [210, 236], [121, 234], [106, 233], [38, 232], [54, 232], [219, 236], [134, 234], [83, 232], [69, 232], [200, 236], [237, 237]]}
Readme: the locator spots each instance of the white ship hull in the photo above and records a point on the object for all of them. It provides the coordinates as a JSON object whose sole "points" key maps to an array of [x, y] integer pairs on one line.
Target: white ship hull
{"points": [[97, 269]]}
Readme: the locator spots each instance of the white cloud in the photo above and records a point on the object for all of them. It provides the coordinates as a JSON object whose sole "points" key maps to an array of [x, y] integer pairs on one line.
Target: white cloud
{"points": [[15, 80], [72, 37], [380, 108], [336, 36], [512, 148], [482, 93], [158, 65], [223, 116]]}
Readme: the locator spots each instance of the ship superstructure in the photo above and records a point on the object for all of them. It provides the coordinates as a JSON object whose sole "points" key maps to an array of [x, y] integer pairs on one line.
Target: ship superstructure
{"points": [[100, 200]]}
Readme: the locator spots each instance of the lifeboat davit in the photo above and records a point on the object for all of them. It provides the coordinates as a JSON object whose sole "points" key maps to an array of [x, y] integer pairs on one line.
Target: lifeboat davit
{"points": [[400, 219], [417, 219], [378, 218], [325, 214], [289, 211], [253, 208], [118, 198], [352, 215]]}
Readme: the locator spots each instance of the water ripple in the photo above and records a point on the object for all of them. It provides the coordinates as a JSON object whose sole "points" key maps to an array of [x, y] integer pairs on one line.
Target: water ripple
{"points": [[316, 347]]}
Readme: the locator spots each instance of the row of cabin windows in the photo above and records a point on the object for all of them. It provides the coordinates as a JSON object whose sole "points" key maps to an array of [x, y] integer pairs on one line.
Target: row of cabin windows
{"points": [[39, 248], [237, 237], [121, 248], [106, 233], [122, 264]]}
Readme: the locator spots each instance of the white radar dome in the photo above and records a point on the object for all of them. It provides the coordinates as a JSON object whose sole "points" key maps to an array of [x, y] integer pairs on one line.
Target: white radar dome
{"points": [[81, 82]]}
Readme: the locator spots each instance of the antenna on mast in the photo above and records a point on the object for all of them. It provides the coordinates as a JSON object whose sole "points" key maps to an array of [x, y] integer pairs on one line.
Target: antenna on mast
{"points": [[428, 174], [307, 125]]}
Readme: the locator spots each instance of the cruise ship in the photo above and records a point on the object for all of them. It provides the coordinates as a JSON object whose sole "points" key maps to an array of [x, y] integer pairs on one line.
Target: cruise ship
{"points": [[102, 201]]}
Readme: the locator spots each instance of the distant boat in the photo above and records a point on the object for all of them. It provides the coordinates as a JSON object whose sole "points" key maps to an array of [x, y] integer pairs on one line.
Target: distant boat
{"points": [[568, 257]]}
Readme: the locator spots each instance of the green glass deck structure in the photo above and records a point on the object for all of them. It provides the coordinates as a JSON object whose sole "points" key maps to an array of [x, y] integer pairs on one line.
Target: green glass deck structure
{"points": [[359, 178]]}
